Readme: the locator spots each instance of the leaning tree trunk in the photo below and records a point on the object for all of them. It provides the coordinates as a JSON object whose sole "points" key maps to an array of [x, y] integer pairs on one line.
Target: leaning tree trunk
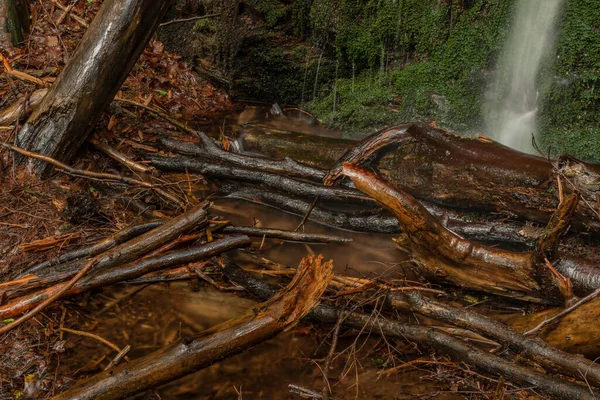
{"points": [[108, 51], [14, 22]]}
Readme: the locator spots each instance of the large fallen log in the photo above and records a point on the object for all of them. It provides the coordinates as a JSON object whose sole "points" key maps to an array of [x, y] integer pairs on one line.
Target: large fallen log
{"points": [[443, 168], [474, 227], [443, 255], [263, 322]]}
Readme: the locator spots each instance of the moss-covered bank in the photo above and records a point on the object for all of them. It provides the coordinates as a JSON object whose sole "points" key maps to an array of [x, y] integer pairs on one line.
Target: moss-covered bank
{"points": [[361, 64]]}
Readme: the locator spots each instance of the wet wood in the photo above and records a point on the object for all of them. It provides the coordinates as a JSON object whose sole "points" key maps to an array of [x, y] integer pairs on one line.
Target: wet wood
{"points": [[263, 322], [268, 180], [445, 169], [457, 349], [100, 64], [475, 226], [89, 251], [286, 235], [576, 332], [443, 255], [126, 272], [121, 254], [534, 348]]}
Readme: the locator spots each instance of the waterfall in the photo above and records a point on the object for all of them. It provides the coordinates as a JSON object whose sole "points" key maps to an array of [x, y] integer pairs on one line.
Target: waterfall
{"points": [[514, 95]]}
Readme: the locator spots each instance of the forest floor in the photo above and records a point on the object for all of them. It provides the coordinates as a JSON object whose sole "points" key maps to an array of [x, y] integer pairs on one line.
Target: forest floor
{"points": [[41, 219]]}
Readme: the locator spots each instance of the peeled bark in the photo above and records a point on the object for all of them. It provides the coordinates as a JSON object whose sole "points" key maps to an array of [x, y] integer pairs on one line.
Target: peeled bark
{"points": [[89, 82]]}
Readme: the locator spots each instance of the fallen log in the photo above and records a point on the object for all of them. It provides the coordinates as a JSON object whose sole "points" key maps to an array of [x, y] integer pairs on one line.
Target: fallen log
{"points": [[443, 255], [474, 227], [440, 167], [117, 238], [280, 313], [266, 179], [537, 349], [447, 344]]}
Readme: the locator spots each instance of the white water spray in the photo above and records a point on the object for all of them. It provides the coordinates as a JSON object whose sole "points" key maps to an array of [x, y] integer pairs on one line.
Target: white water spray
{"points": [[514, 95]]}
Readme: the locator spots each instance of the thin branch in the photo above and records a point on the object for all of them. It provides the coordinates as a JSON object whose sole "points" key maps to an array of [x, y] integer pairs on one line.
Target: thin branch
{"points": [[177, 21], [95, 337], [564, 312], [60, 290], [75, 171]]}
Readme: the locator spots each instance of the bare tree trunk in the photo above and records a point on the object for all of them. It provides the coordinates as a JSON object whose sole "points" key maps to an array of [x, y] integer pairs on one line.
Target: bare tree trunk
{"points": [[108, 51], [14, 22]]}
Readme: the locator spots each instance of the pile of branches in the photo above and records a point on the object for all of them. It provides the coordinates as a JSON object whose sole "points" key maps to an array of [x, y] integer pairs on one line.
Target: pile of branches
{"points": [[545, 274]]}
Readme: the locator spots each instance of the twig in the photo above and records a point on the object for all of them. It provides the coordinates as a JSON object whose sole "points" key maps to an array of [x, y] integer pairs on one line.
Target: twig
{"points": [[301, 224], [286, 235], [564, 312], [118, 357], [75, 171], [176, 21], [22, 75], [61, 289], [65, 12], [136, 167], [77, 19], [95, 337], [334, 340]]}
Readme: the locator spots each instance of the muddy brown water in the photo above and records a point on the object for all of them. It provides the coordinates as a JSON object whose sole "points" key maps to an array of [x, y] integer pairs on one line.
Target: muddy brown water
{"points": [[162, 313]]}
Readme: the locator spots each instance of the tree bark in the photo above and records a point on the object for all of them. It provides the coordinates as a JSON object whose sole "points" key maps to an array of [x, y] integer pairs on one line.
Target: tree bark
{"points": [[263, 322], [452, 171], [443, 255], [14, 22], [106, 54]]}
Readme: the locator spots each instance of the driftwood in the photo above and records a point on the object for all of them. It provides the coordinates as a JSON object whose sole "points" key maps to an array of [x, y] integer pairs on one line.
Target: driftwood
{"points": [[98, 278], [457, 349], [106, 54], [443, 255], [263, 322]]}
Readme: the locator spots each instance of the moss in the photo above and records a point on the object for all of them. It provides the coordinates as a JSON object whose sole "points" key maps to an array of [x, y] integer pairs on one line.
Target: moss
{"points": [[570, 112]]}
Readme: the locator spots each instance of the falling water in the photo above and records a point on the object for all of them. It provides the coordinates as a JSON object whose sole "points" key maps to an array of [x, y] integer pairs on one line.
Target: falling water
{"points": [[514, 95]]}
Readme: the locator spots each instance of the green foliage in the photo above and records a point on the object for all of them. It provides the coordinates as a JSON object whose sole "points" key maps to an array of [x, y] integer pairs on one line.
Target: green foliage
{"points": [[361, 104], [570, 113], [272, 10], [405, 60], [435, 58]]}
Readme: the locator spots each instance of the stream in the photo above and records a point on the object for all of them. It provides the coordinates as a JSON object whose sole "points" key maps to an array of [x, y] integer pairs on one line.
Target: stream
{"points": [[162, 313]]}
